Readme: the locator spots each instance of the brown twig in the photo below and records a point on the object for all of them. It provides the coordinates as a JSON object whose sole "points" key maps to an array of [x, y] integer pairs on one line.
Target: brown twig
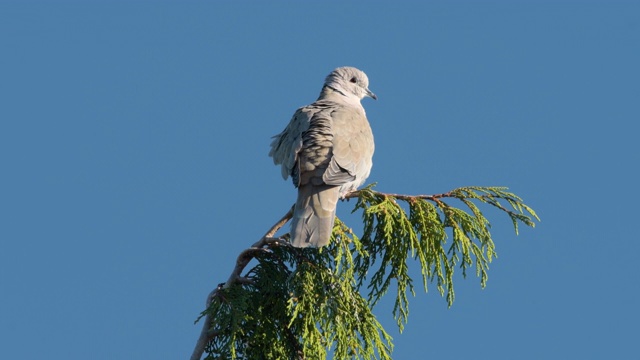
{"points": [[356, 193], [434, 197]]}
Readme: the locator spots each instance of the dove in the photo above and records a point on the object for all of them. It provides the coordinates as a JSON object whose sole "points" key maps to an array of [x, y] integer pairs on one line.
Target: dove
{"points": [[327, 149]]}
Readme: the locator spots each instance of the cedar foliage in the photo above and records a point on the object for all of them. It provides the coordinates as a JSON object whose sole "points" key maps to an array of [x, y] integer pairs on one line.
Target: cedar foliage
{"points": [[312, 303]]}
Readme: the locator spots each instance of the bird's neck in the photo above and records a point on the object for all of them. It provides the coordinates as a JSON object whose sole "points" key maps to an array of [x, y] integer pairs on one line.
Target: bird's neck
{"points": [[333, 94]]}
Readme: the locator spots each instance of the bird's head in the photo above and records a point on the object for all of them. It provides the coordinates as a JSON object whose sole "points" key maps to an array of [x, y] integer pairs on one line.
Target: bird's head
{"points": [[350, 82]]}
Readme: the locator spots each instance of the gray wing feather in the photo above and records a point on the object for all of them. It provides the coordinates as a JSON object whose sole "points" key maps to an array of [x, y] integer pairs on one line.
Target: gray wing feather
{"points": [[286, 145], [352, 150]]}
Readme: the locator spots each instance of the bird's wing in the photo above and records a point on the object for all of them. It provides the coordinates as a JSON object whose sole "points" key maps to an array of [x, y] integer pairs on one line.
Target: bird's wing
{"points": [[352, 147], [286, 145]]}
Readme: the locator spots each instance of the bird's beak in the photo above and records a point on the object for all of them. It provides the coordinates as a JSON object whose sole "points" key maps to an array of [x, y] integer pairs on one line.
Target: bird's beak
{"points": [[371, 95]]}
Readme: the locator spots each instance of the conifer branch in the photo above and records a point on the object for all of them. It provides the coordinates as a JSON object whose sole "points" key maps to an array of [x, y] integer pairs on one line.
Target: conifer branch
{"points": [[298, 303]]}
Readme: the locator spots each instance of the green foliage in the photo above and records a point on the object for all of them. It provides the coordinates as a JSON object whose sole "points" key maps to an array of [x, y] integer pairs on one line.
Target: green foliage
{"points": [[308, 303], [250, 320]]}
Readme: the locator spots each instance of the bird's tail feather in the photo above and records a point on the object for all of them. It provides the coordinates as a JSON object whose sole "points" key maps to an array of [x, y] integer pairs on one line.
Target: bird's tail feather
{"points": [[313, 215]]}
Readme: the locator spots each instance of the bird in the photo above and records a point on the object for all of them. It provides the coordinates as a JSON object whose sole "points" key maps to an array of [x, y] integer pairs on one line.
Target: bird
{"points": [[327, 149]]}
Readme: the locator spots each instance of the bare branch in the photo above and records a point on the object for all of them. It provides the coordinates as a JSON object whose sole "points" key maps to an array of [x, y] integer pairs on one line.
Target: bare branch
{"points": [[434, 197], [356, 193]]}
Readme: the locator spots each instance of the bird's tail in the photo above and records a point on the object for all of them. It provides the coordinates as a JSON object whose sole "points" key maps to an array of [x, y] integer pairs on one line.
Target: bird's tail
{"points": [[313, 215]]}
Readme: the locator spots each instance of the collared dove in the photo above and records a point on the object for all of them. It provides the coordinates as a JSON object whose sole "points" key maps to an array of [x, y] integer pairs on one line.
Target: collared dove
{"points": [[327, 149]]}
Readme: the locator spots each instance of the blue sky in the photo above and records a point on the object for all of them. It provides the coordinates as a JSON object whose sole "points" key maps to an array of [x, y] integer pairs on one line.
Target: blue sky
{"points": [[134, 141]]}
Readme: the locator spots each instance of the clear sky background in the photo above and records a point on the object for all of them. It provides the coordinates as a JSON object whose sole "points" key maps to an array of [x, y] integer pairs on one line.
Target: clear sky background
{"points": [[134, 168]]}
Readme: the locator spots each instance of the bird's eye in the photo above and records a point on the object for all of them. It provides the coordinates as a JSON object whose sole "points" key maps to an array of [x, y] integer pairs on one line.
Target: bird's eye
{"points": [[354, 80]]}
